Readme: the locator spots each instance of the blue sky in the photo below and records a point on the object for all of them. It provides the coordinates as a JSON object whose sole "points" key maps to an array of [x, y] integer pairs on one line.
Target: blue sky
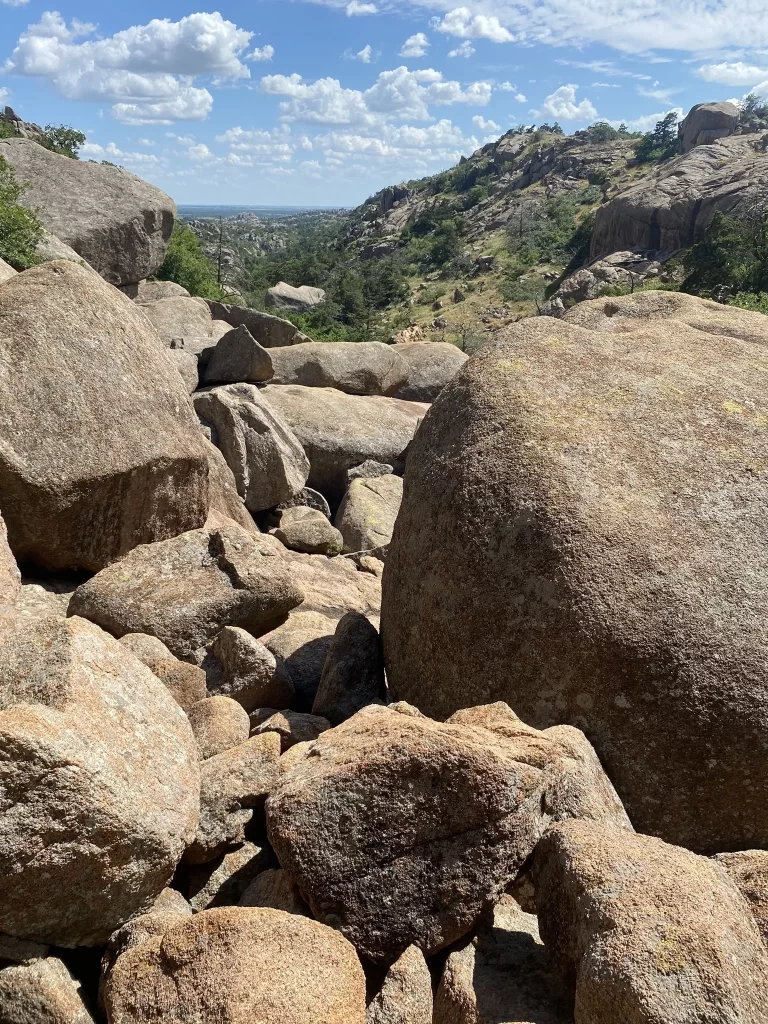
{"points": [[323, 102]]}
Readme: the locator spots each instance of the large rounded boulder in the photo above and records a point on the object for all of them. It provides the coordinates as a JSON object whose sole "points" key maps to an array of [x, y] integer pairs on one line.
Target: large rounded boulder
{"points": [[100, 450], [99, 784], [582, 535]]}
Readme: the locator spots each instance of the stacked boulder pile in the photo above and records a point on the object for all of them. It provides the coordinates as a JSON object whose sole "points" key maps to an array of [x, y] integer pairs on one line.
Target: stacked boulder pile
{"points": [[227, 796]]}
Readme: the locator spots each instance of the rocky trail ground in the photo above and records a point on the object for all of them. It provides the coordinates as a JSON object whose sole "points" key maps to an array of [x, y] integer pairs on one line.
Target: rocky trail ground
{"points": [[358, 683]]}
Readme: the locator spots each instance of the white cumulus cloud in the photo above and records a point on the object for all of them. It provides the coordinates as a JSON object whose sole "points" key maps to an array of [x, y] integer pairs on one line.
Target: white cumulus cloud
{"points": [[146, 71], [485, 126], [366, 54], [562, 105], [465, 50], [14, 3], [357, 9], [736, 73], [415, 46], [262, 55], [461, 22], [396, 95]]}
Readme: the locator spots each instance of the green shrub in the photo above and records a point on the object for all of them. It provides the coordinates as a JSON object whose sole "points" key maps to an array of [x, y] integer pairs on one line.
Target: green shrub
{"points": [[758, 302], [523, 289], [661, 143], [187, 265], [20, 229], [7, 130], [732, 254]]}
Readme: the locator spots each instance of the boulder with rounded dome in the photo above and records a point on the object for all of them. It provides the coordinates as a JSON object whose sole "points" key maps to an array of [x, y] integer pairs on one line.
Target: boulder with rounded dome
{"points": [[357, 368], [288, 299]]}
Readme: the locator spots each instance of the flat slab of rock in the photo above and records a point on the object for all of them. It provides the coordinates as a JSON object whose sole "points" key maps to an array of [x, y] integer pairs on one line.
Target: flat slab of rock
{"points": [[294, 300], [595, 494], [398, 830], [647, 931], [357, 368], [291, 726], [259, 446], [102, 451], [406, 995], [100, 784], [240, 965], [6, 272], [186, 590], [178, 317], [224, 496], [270, 331], [339, 431], [366, 517], [120, 224], [225, 880], [431, 366], [151, 291]]}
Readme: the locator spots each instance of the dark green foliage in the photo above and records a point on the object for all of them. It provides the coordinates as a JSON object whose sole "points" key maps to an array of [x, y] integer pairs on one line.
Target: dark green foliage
{"points": [[20, 229], [63, 139], [522, 290], [601, 131], [733, 254], [753, 107], [746, 300], [7, 130], [555, 232], [187, 265], [661, 143]]}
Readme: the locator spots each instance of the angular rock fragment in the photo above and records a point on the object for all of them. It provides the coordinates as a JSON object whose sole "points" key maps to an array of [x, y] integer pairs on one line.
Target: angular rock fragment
{"points": [[238, 358], [224, 497], [291, 726], [431, 366], [749, 871], [224, 880], [185, 590], [232, 784], [406, 995], [266, 458], [353, 674], [185, 682], [367, 515], [274, 889], [269, 331]]}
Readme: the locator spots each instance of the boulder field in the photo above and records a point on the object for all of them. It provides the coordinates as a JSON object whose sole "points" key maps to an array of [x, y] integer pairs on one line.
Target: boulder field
{"points": [[366, 684]]}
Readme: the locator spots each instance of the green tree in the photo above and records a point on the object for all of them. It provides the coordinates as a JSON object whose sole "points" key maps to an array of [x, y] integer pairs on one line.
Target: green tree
{"points": [[64, 140], [20, 229], [661, 143], [733, 254], [187, 265]]}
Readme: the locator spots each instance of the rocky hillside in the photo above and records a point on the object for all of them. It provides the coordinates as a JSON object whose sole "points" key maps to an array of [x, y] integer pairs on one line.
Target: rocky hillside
{"points": [[353, 683]]}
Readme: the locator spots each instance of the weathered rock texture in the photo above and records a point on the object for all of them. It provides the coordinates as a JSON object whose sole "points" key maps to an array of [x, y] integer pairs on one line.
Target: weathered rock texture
{"points": [[339, 431], [673, 209], [582, 536], [43, 992], [406, 995], [99, 784], [501, 975], [647, 931], [294, 300], [264, 454], [219, 724], [224, 497], [238, 666], [223, 881], [707, 122], [353, 674], [117, 222], [186, 590], [430, 366], [357, 368], [179, 317], [232, 784], [398, 830], [749, 870], [238, 357], [101, 451], [269, 331], [368, 513], [6, 272], [10, 577], [308, 530], [240, 965]]}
